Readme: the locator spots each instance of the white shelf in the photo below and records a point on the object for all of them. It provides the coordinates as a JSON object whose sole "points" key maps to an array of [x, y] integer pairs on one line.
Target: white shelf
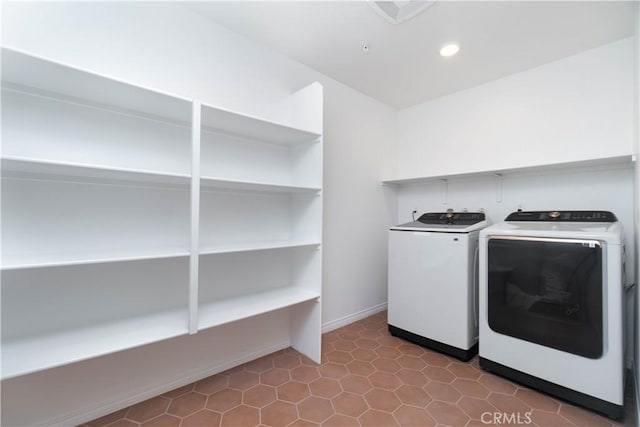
{"points": [[261, 246], [17, 262], [48, 76], [242, 307], [33, 354], [218, 120], [601, 163], [25, 168], [213, 183]]}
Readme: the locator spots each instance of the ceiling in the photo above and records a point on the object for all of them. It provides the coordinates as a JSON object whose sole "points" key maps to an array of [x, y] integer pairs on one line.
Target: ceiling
{"points": [[402, 66]]}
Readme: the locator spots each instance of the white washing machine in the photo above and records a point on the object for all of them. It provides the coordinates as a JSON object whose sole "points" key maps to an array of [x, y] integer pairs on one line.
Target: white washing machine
{"points": [[432, 285], [551, 305]]}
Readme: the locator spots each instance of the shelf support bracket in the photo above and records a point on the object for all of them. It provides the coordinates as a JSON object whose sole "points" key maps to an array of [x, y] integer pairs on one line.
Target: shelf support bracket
{"points": [[445, 190], [498, 179]]}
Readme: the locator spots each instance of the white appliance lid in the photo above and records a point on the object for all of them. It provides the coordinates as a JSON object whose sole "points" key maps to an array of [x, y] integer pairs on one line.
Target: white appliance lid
{"points": [[446, 222]]}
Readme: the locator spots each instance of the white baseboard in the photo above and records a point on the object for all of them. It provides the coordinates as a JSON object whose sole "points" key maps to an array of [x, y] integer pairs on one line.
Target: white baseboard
{"points": [[106, 408], [343, 321]]}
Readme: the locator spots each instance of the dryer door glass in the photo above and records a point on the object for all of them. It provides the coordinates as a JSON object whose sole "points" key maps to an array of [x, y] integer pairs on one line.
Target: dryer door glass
{"points": [[547, 291]]}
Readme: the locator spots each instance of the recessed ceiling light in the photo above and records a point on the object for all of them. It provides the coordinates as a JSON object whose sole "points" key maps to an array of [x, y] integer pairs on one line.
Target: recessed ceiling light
{"points": [[449, 50]]}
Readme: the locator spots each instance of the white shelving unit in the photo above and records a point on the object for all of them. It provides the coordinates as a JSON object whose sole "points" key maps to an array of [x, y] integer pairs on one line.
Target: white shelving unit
{"points": [[130, 216], [260, 219]]}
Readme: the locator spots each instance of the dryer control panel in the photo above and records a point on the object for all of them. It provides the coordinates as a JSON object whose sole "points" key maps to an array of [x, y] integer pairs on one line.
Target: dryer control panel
{"points": [[563, 216]]}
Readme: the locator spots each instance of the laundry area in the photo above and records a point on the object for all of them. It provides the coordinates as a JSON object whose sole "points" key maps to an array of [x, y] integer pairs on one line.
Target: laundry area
{"points": [[321, 213]]}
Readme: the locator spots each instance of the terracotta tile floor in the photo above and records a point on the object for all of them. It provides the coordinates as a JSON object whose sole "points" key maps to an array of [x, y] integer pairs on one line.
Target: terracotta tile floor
{"points": [[367, 378]]}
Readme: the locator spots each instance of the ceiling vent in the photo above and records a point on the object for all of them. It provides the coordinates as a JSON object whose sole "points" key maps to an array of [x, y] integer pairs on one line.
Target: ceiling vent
{"points": [[397, 12]]}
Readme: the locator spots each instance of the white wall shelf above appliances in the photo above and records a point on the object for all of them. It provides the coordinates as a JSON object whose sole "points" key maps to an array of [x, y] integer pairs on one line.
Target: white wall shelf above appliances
{"points": [[132, 216], [614, 162]]}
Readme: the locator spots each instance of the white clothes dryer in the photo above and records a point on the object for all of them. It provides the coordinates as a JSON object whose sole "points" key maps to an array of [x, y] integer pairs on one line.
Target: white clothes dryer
{"points": [[551, 305], [432, 287]]}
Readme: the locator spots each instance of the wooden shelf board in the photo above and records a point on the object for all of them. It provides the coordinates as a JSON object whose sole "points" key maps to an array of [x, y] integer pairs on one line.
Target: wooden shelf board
{"points": [[33, 354], [17, 262], [26, 168], [219, 120], [242, 307], [601, 163], [214, 183], [225, 249]]}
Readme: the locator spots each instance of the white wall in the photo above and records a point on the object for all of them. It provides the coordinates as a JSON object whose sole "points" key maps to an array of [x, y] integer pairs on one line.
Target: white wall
{"points": [[170, 48], [576, 108]]}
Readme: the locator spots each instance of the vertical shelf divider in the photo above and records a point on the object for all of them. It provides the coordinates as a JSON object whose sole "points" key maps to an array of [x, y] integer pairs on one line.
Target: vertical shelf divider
{"points": [[195, 218], [306, 319]]}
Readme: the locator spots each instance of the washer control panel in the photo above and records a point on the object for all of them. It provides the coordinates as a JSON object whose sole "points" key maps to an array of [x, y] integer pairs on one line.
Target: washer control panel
{"points": [[563, 216], [450, 217]]}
